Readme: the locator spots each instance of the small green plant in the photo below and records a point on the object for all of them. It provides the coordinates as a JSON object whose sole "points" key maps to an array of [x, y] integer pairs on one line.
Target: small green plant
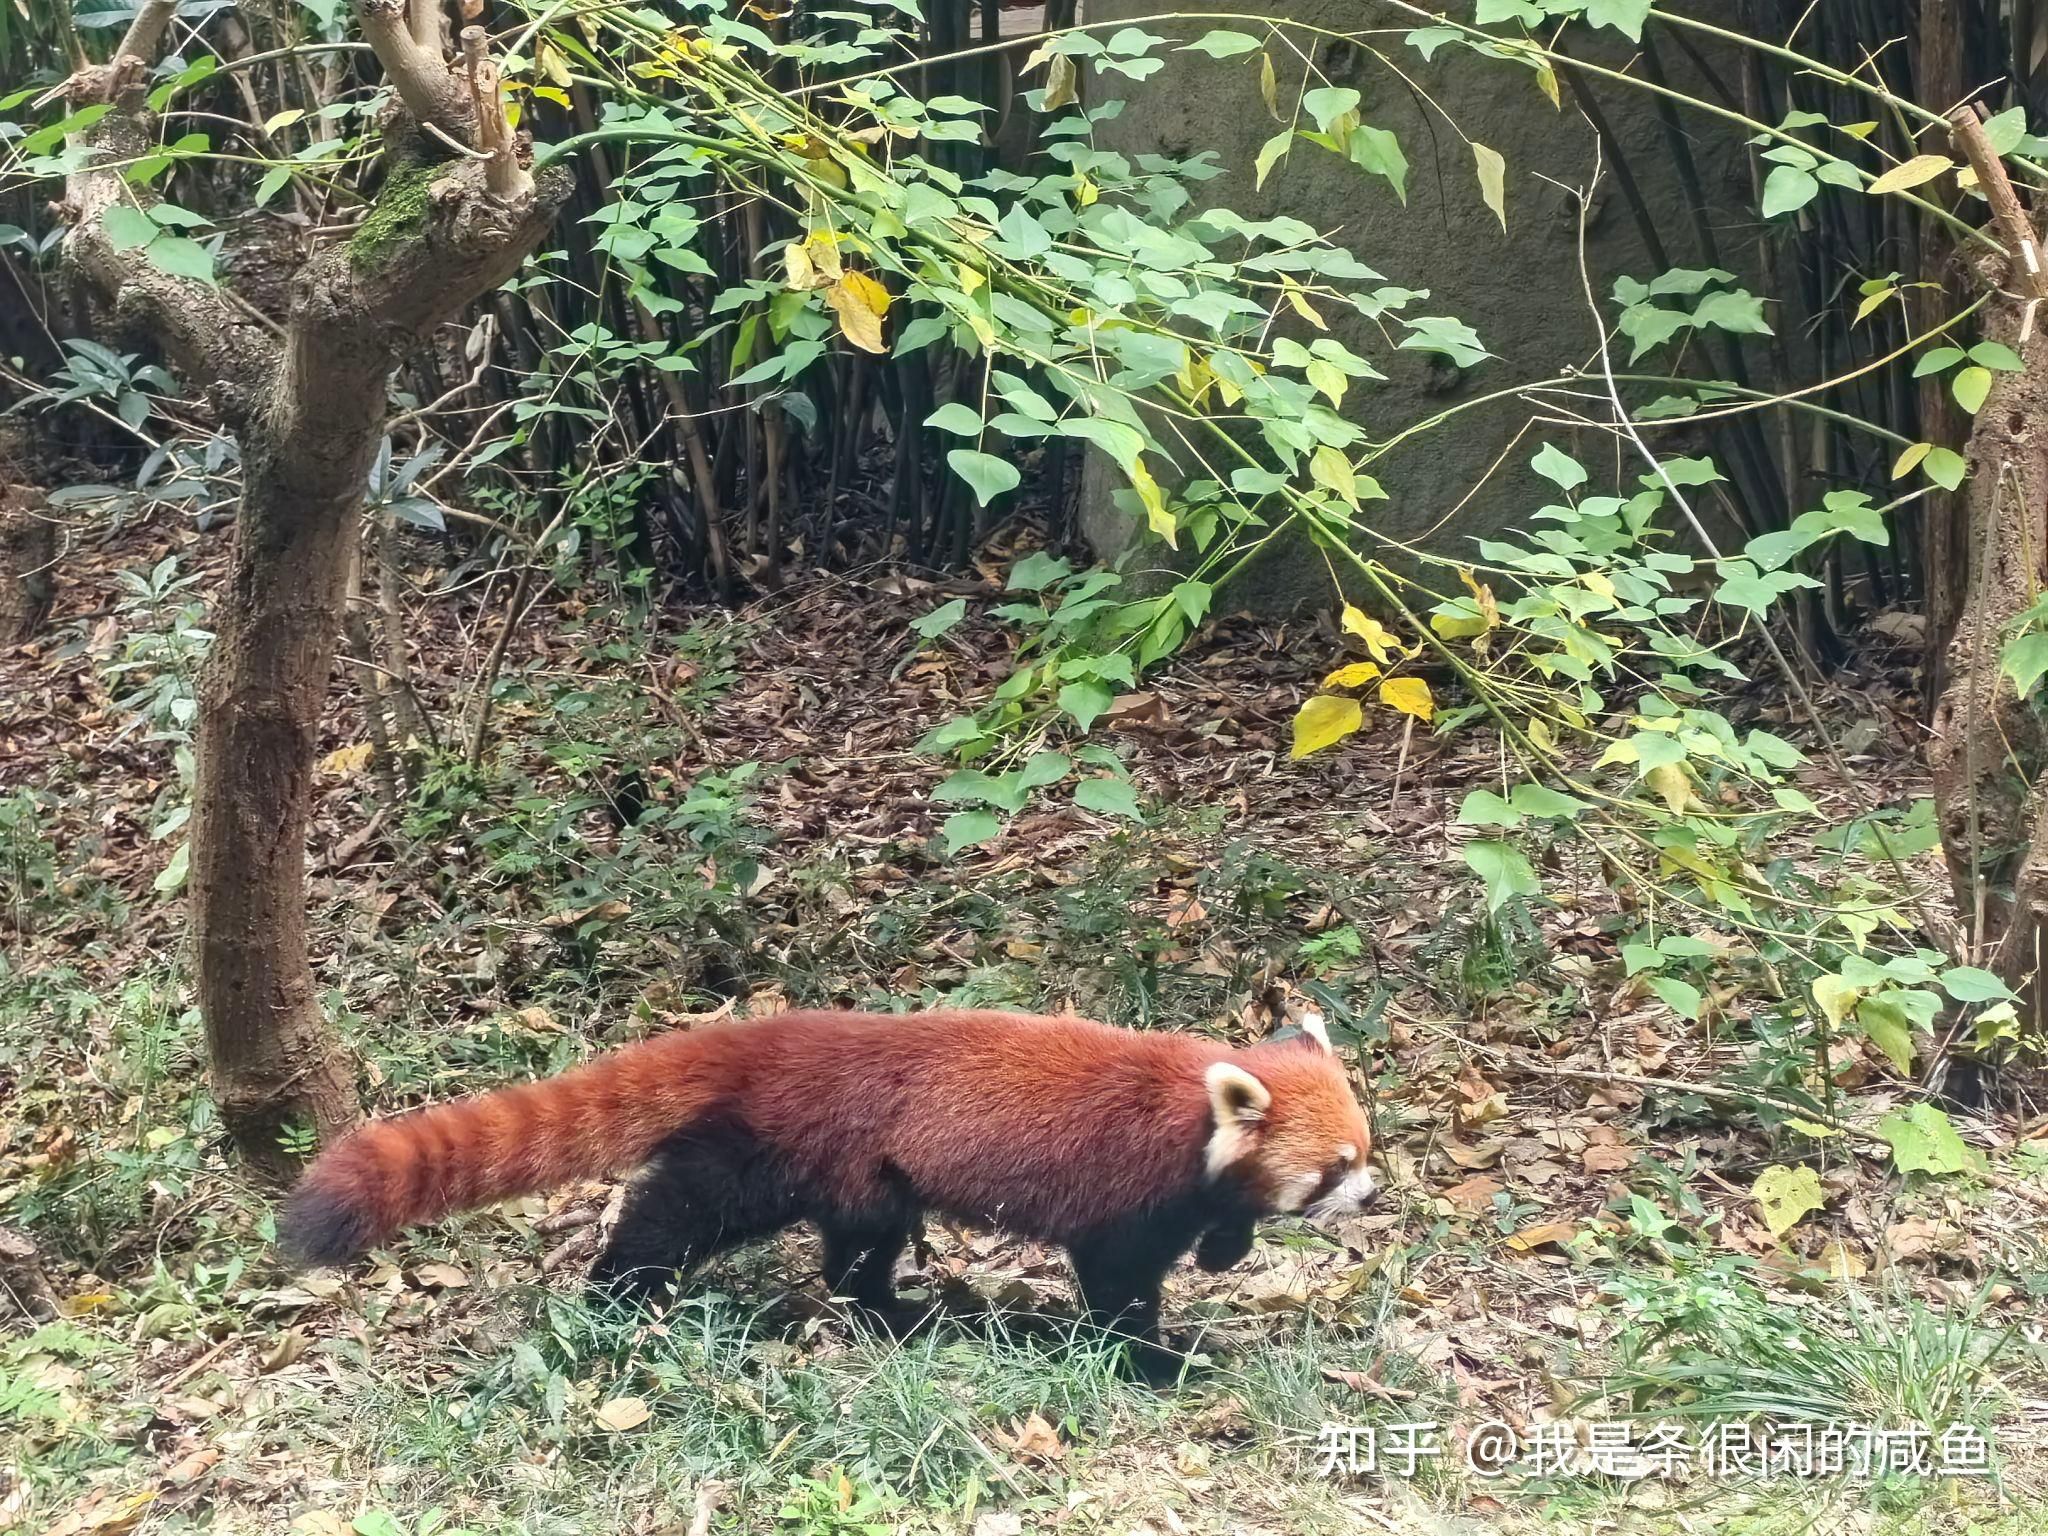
{"points": [[833, 1504]]}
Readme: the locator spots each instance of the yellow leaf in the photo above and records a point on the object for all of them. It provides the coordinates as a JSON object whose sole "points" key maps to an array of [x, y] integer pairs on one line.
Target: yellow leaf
{"points": [[284, 119], [822, 246], [1784, 1195], [1328, 467], [1303, 308], [1357, 675], [1156, 513], [1482, 594], [1541, 734], [1328, 378], [797, 271], [624, 1413], [970, 278], [1452, 626], [1671, 784], [1060, 82], [347, 762], [1859, 130], [1086, 192], [1410, 695], [1546, 81], [1842, 1262], [1377, 637], [1323, 721], [859, 321], [1909, 460], [1269, 87], [1493, 180], [872, 293], [1910, 173], [552, 64], [1835, 997]]}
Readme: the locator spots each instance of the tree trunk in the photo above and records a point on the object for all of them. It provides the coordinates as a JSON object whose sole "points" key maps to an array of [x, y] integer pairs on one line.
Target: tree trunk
{"points": [[1987, 751], [261, 696], [308, 414]]}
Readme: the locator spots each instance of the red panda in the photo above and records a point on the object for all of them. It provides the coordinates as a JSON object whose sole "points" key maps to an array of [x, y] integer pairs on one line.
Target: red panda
{"points": [[1127, 1147]]}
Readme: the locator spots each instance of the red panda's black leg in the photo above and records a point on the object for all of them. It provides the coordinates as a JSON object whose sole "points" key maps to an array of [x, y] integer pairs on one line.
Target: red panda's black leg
{"points": [[699, 1195], [860, 1263], [1120, 1274], [1226, 1244]]}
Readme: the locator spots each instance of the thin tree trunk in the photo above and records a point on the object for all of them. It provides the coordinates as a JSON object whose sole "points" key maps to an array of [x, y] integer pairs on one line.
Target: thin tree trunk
{"points": [[1987, 753], [308, 415]]}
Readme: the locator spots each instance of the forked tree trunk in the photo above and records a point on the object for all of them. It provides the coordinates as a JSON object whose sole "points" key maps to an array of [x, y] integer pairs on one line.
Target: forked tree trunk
{"points": [[1987, 751], [308, 414]]}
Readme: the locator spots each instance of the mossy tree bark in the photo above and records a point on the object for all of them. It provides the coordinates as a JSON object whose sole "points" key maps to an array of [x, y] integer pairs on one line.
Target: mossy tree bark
{"points": [[1988, 748], [308, 412]]}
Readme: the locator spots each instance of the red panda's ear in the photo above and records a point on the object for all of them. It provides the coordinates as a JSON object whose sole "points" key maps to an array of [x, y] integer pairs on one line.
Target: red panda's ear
{"points": [[1236, 1100], [1313, 1028], [1235, 1095]]}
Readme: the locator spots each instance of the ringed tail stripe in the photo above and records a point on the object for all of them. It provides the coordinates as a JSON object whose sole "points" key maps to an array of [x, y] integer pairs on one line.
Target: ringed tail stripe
{"points": [[418, 1166]]}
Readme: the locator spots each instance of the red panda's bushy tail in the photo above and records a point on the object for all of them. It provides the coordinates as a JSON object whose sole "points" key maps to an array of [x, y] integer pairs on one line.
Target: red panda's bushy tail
{"points": [[600, 1118]]}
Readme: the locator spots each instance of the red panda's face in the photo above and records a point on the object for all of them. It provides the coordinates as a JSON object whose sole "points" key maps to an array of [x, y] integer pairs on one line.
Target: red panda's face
{"points": [[1289, 1131]]}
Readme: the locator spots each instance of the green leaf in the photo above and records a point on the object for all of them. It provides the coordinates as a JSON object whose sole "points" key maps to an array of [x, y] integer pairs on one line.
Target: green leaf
{"points": [[1558, 467], [1037, 571], [1682, 997], [176, 256], [965, 829], [1086, 701], [1884, 1019], [956, 418], [1328, 103], [1625, 16], [1043, 768], [171, 879], [1936, 359], [1971, 387], [1493, 180], [1483, 808], [1784, 1195], [1540, 801], [988, 475], [2006, 130], [1505, 869], [1108, 797], [1945, 467], [1788, 189], [1968, 984], [941, 619], [1269, 155], [970, 786], [1923, 1140], [127, 227], [1378, 151], [1222, 44], [2025, 659], [1996, 356]]}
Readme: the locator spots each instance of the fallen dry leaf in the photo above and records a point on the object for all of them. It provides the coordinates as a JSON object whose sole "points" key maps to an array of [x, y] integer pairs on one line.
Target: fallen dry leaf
{"points": [[624, 1413], [1556, 1233], [1036, 1440], [1472, 1195]]}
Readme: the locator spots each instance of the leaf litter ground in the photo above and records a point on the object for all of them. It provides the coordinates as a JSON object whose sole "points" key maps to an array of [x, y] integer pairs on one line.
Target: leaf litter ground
{"points": [[1572, 1189]]}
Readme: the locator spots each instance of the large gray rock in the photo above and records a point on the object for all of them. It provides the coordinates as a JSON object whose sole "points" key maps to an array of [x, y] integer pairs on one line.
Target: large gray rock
{"points": [[1521, 290]]}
